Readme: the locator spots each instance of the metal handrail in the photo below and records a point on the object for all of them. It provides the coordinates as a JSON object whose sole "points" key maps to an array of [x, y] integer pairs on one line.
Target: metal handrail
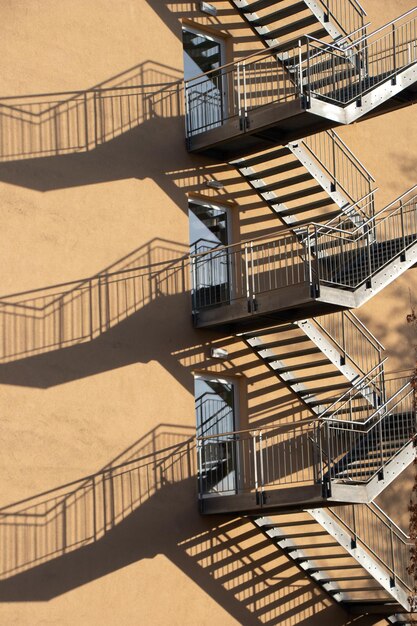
{"points": [[355, 386], [370, 219], [392, 567], [375, 414], [363, 332]]}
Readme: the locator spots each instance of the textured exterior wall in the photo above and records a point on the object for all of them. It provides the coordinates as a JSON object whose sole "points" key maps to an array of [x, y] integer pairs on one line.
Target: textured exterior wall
{"points": [[97, 397]]}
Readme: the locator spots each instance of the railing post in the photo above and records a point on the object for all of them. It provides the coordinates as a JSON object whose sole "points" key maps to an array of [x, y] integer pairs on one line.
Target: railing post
{"points": [[308, 90], [368, 258], [255, 467], [402, 230], [200, 467], [343, 357], [393, 577], [239, 95], [394, 56], [261, 464], [247, 283], [334, 165], [245, 102], [329, 459], [354, 539]]}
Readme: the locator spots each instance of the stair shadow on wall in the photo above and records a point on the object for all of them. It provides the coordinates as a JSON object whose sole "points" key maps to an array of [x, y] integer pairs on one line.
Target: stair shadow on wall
{"points": [[141, 505]]}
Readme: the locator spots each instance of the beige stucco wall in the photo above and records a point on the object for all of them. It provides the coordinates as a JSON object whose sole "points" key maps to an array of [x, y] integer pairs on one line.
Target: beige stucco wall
{"points": [[67, 413]]}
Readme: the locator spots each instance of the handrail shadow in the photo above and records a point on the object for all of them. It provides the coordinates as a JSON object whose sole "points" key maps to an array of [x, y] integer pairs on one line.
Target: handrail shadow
{"points": [[136, 507]]}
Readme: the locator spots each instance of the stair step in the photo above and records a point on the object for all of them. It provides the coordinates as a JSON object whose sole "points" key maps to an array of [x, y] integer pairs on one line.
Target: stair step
{"points": [[311, 206], [317, 390], [312, 546], [358, 589], [324, 217], [282, 184], [277, 169], [306, 535], [295, 195], [313, 377], [302, 366], [292, 355], [261, 159], [320, 557], [292, 27], [253, 7], [283, 342], [324, 568], [269, 331], [276, 16], [274, 525], [293, 43], [343, 579]]}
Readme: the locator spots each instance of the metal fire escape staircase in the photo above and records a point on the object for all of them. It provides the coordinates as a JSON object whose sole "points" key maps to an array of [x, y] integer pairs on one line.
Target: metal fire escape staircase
{"points": [[283, 21], [243, 107], [364, 429], [355, 553], [314, 179]]}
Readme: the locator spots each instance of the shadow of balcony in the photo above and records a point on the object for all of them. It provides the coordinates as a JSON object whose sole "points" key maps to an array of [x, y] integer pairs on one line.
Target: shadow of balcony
{"points": [[140, 505]]}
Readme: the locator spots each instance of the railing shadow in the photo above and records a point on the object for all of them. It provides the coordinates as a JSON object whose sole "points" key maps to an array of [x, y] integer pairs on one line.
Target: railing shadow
{"points": [[119, 310], [140, 505]]}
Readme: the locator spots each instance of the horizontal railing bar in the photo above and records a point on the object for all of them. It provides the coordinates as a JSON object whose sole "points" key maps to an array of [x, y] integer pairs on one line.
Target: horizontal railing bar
{"points": [[255, 429]]}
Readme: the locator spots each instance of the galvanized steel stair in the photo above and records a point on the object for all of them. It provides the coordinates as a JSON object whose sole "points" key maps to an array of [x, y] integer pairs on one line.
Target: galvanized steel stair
{"points": [[313, 179], [309, 357], [284, 21], [354, 553]]}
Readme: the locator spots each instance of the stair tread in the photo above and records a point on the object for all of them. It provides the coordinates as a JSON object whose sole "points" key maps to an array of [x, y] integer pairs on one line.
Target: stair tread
{"points": [[320, 218], [313, 377], [311, 206], [259, 5], [317, 390], [293, 43], [293, 27], [261, 158], [301, 366], [281, 184], [295, 195], [276, 16], [283, 342], [269, 331], [294, 354], [276, 169]]}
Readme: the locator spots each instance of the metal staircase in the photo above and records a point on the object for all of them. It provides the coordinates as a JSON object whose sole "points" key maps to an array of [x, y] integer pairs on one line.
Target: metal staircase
{"points": [[338, 254], [283, 21], [315, 178], [245, 106], [356, 554], [320, 357]]}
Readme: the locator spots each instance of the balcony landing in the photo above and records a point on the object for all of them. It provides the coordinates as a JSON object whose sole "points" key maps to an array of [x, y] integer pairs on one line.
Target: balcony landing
{"points": [[282, 305]]}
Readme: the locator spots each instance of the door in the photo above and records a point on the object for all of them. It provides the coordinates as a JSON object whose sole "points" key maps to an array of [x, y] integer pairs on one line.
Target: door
{"points": [[210, 230], [215, 404], [205, 96]]}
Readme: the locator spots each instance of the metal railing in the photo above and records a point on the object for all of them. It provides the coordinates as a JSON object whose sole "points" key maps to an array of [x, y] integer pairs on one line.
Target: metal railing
{"points": [[346, 172], [370, 528], [242, 270], [358, 452], [350, 258], [348, 15], [334, 254], [344, 76], [312, 452], [352, 340], [339, 74], [254, 460]]}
